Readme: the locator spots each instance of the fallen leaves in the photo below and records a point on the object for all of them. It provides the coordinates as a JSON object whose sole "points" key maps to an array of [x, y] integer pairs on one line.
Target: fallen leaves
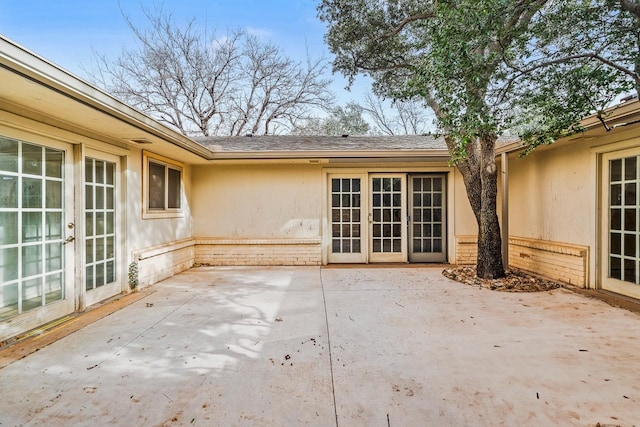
{"points": [[514, 280]]}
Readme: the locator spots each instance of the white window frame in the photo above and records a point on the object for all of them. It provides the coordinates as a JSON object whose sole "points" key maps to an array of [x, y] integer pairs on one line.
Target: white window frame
{"points": [[166, 212]]}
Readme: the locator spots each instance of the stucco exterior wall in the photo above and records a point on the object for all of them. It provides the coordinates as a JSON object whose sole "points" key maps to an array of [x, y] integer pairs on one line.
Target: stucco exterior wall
{"points": [[150, 232], [551, 194], [254, 214], [257, 201], [156, 244]]}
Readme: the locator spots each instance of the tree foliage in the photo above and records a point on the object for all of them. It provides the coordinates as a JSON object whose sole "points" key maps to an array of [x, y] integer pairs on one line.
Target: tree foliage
{"points": [[202, 84], [488, 66]]}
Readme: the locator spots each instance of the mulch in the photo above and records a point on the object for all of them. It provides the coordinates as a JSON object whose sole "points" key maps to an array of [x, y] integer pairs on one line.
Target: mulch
{"points": [[514, 280]]}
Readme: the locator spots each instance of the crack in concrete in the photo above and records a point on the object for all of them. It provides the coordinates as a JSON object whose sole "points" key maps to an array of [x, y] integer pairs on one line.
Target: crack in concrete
{"points": [[326, 320]]}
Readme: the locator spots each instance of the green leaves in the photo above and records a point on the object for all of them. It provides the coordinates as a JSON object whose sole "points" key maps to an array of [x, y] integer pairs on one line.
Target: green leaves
{"points": [[534, 67]]}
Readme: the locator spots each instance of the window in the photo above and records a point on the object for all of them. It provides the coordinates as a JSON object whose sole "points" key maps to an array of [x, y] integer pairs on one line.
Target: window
{"points": [[163, 192]]}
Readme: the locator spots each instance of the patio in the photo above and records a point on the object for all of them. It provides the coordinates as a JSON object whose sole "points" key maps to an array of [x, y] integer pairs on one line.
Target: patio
{"points": [[287, 346]]}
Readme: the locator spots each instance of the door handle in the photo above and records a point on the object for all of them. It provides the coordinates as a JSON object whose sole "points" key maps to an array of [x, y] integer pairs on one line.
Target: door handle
{"points": [[69, 240]]}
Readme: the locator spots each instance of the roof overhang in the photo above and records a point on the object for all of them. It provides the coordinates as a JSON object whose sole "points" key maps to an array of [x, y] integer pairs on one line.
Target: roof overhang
{"points": [[39, 90], [616, 119], [334, 156]]}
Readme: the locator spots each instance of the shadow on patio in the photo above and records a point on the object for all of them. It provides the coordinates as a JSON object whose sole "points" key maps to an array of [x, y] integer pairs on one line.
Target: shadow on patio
{"points": [[391, 346]]}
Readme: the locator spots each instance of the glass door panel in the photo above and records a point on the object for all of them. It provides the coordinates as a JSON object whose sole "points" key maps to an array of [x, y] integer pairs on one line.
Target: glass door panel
{"points": [[100, 231], [387, 219], [621, 261], [345, 213], [33, 266], [427, 224]]}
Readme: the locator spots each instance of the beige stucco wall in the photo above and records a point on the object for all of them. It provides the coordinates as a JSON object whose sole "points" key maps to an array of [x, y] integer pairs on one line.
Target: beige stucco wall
{"points": [[257, 201], [551, 195], [465, 221], [239, 206], [150, 232]]}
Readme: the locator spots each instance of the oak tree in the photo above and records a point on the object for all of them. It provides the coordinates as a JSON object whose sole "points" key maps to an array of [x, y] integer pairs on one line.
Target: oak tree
{"points": [[487, 67]]}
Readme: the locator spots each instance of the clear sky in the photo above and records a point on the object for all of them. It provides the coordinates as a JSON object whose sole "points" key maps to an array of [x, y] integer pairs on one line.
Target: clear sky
{"points": [[66, 32]]}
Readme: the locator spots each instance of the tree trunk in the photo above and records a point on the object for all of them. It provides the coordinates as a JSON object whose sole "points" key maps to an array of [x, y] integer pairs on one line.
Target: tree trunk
{"points": [[480, 176]]}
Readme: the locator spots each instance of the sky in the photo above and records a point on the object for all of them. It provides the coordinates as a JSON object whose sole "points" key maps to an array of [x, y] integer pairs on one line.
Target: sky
{"points": [[67, 32]]}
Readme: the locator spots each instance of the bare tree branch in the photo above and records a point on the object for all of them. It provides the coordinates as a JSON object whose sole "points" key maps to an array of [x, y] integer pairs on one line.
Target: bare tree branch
{"points": [[204, 85]]}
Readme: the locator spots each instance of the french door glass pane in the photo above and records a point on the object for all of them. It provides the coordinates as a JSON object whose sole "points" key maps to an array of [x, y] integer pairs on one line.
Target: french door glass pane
{"points": [[8, 228], [53, 287], [31, 193], [345, 215], [387, 218], [624, 215], [99, 223], [53, 165], [8, 192], [32, 294], [8, 264], [31, 159], [54, 194], [427, 214], [8, 155]]}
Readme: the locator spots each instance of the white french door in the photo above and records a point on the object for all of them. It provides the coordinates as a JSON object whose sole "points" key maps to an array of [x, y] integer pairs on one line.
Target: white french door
{"points": [[387, 218], [101, 275], [620, 223], [346, 212], [36, 234]]}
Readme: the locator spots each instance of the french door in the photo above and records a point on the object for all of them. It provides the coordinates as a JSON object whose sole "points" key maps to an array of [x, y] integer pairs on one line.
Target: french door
{"points": [[387, 217], [620, 223], [36, 233], [427, 218], [101, 174]]}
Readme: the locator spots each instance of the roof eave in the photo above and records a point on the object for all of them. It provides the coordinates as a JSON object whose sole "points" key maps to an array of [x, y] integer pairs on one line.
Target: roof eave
{"points": [[319, 154], [19, 60]]}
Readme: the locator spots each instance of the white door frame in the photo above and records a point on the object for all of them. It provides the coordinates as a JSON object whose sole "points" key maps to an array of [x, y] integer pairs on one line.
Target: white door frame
{"points": [[388, 222], [359, 256], [65, 306], [607, 282], [90, 297]]}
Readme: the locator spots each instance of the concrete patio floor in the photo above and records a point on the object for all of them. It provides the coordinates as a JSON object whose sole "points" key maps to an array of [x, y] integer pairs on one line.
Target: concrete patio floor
{"points": [[289, 346]]}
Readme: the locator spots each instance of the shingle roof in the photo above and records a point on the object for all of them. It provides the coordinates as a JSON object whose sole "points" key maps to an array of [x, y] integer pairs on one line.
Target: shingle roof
{"points": [[271, 143]]}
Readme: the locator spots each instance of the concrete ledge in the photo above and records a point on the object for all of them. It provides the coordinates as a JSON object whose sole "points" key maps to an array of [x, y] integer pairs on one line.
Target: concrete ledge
{"points": [[161, 262], [276, 241], [162, 249]]}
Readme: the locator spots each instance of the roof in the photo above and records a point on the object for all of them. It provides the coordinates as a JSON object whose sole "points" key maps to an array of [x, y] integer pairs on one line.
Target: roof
{"points": [[420, 147], [266, 143]]}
